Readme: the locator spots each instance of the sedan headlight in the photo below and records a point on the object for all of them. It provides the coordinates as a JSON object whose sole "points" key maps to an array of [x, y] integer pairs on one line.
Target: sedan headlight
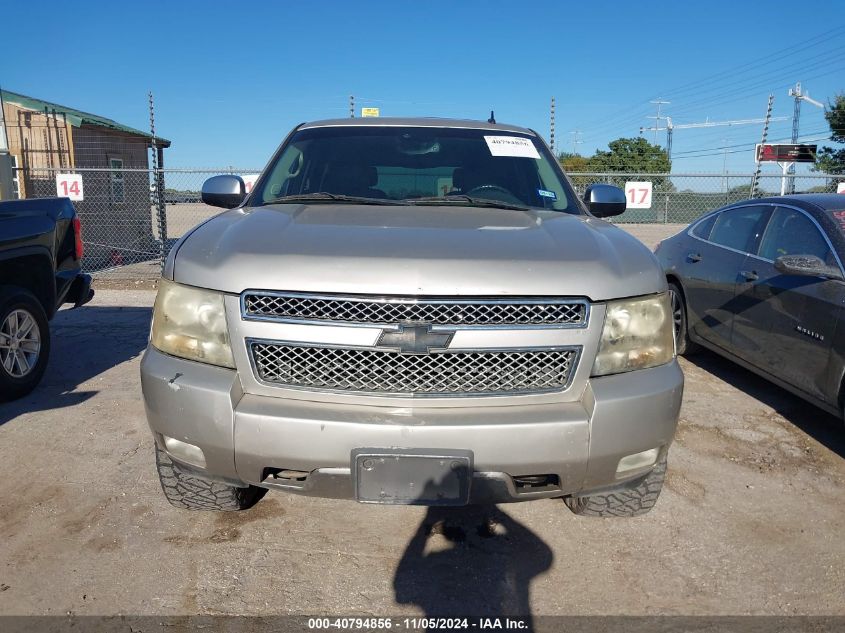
{"points": [[191, 323], [637, 333]]}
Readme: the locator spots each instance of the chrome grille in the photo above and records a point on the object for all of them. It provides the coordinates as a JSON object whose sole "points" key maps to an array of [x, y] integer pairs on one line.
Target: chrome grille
{"points": [[439, 373], [476, 311]]}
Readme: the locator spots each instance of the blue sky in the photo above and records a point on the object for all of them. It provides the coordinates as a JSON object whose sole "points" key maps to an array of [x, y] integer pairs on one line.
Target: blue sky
{"points": [[231, 79]]}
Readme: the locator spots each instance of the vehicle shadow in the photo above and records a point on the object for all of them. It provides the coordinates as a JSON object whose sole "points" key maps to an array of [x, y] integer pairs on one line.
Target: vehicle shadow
{"points": [[471, 561], [85, 342], [825, 428]]}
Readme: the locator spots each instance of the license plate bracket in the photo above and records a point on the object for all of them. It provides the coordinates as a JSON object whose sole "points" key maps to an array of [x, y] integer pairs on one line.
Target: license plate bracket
{"points": [[397, 476]]}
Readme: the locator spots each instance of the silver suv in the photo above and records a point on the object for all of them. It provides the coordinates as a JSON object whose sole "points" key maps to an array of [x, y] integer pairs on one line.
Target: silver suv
{"points": [[412, 311]]}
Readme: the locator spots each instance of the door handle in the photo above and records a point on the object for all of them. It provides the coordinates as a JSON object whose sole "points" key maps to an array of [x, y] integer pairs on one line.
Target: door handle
{"points": [[694, 257], [749, 275]]}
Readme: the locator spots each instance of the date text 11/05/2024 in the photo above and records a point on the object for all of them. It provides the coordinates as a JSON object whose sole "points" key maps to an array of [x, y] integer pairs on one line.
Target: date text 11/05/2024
{"points": [[414, 624]]}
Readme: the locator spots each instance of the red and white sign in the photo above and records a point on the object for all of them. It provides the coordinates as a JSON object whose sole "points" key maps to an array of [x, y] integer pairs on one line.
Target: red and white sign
{"points": [[249, 181], [638, 194], [840, 187], [69, 186]]}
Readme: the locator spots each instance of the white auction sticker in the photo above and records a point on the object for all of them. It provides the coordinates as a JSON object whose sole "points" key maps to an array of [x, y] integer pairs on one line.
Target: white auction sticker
{"points": [[69, 186], [511, 146], [840, 187], [249, 181], [638, 194]]}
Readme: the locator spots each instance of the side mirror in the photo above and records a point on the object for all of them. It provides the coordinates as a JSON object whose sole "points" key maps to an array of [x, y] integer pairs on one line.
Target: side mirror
{"points": [[806, 266], [224, 191], [605, 200]]}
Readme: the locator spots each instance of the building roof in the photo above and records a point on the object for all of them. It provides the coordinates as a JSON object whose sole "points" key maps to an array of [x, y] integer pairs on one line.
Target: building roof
{"points": [[75, 117]]}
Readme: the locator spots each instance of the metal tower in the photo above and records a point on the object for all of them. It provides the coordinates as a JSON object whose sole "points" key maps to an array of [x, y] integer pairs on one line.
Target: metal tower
{"points": [[671, 127]]}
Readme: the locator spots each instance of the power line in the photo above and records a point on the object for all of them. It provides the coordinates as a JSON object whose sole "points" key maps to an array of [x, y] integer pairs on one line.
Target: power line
{"points": [[749, 149], [754, 66], [616, 121]]}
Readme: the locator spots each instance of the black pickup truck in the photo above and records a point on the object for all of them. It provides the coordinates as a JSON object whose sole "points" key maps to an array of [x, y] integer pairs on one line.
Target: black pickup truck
{"points": [[40, 269]]}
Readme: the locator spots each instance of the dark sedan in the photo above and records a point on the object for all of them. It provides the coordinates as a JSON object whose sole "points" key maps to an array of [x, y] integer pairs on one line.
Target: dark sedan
{"points": [[761, 283]]}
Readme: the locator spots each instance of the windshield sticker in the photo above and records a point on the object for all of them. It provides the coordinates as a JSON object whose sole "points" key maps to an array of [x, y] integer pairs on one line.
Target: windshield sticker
{"points": [[547, 194], [512, 146]]}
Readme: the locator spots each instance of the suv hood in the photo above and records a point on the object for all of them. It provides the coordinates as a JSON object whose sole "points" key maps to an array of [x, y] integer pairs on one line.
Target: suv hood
{"points": [[414, 250]]}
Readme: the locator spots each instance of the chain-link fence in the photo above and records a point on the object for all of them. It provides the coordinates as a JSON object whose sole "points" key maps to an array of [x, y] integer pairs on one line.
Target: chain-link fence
{"points": [[130, 220], [124, 233], [681, 198]]}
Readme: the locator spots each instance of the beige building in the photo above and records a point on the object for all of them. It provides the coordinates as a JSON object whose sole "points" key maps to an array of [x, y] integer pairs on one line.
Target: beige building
{"points": [[46, 139]]}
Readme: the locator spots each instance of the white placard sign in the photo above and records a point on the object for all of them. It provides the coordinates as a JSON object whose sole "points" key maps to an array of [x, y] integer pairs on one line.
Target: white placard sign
{"points": [[249, 181], [840, 187], [69, 186], [638, 194], [511, 146]]}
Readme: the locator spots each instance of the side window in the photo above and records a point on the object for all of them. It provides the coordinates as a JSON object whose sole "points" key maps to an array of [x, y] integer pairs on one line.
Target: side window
{"points": [[738, 228], [16, 183], [791, 232], [703, 228]]}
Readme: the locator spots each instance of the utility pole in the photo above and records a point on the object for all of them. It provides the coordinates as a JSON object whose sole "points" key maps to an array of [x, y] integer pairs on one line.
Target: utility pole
{"points": [[756, 179], [576, 140], [158, 179], [657, 118], [351, 106], [552, 127]]}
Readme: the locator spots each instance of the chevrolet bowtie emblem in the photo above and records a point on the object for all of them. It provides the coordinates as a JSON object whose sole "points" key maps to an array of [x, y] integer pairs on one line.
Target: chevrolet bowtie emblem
{"points": [[414, 339]]}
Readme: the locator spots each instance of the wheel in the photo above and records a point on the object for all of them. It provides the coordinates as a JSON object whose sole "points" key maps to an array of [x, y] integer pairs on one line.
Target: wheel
{"points": [[24, 342], [683, 344], [188, 492], [627, 503]]}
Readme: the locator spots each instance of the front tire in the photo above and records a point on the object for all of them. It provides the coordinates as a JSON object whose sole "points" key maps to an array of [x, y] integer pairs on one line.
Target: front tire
{"points": [[626, 503], [24, 342], [188, 492], [683, 344]]}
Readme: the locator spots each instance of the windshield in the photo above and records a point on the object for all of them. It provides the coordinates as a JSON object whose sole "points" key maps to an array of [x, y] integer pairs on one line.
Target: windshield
{"points": [[416, 165]]}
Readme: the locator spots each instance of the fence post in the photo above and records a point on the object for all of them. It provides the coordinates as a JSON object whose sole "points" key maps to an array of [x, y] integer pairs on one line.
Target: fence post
{"points": [[161, 211], [158, 178]]}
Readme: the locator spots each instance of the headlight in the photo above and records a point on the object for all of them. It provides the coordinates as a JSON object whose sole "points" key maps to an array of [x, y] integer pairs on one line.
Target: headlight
{"points": [[637, 334], [191, 323]]}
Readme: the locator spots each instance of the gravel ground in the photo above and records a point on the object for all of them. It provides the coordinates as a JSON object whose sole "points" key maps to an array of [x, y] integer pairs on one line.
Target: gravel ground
{"points": [[750, 521]]}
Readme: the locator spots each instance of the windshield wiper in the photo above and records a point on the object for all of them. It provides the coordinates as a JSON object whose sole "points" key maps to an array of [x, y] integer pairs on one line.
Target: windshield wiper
{"points": [[465, 200], [324, 196]]}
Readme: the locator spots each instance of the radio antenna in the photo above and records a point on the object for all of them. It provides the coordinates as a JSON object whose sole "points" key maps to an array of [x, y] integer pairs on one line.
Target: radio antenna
{"points": [[492, 118]]}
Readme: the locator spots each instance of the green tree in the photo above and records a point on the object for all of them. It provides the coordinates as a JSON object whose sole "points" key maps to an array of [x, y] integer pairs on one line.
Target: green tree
{"points": [[573, 163], [634, 155], [828, 159]]}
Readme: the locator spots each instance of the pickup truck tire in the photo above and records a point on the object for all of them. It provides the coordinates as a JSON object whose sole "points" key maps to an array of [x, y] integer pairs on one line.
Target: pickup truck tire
{"points": [[19, 310], [188, 492], [683, 345], [626, 503]]}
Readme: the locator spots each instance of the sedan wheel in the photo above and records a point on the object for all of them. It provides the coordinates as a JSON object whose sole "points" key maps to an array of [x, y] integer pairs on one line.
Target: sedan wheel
{"points": [[683, 345]]}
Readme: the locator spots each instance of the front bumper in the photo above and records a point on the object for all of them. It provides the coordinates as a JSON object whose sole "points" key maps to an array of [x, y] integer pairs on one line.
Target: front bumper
{"points": [[245, 437]]}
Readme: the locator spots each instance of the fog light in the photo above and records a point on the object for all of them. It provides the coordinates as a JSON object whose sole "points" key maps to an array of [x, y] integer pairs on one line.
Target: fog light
{"points": [[637, 461], [185, 452]]}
